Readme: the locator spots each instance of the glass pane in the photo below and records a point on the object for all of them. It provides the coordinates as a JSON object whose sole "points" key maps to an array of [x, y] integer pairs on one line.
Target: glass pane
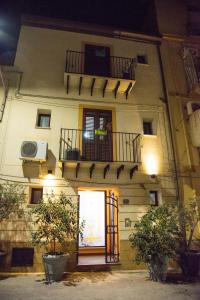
{"points": [[153, 197], [36, 196], [100, 52], [44, 121], [89, 128], [147, 128], [92, 211]]}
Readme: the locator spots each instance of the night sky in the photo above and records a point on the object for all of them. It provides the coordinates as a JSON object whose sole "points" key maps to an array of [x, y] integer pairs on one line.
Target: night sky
{"points": [[132, 15]]}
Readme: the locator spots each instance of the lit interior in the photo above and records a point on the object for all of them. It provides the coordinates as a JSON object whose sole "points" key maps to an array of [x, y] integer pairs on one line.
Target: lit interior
{"points": [[92, 211]]}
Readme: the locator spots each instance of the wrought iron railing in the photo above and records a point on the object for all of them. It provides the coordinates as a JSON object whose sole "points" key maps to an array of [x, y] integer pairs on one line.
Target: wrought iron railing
{"points": [[118, 67], [99, 145], [191, 58]]}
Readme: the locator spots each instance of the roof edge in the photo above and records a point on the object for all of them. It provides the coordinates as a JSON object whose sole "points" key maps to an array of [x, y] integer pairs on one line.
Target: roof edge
{"points": [[82, 27]]}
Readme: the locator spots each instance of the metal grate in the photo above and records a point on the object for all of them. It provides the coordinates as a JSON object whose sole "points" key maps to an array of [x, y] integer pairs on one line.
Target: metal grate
{"points": [[22, 257]]}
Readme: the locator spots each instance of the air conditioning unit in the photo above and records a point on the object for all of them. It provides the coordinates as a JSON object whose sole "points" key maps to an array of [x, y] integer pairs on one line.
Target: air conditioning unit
{"points": [[31, 150]]}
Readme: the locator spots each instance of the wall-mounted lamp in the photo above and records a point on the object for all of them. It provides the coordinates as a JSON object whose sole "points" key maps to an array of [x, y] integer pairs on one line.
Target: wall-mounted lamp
{"points": [[153, 176]]}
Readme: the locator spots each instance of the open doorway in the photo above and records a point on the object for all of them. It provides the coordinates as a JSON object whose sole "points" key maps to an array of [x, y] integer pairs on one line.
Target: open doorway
{"points": [[99, 243]]}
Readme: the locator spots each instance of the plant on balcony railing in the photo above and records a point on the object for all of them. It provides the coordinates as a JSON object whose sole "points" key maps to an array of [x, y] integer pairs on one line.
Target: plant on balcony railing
{"points": [[191, 59]]}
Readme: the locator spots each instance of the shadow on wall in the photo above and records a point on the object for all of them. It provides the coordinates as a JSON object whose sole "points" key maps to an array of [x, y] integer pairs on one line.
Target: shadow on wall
{"points": [[34, 169]]}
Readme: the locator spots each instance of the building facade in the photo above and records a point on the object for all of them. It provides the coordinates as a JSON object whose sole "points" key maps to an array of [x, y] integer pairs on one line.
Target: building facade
{"points": [[180, 52], [84, 112]]}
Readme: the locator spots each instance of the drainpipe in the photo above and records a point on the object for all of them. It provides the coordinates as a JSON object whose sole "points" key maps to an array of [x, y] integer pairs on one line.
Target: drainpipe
{"points": [[5, 89], [170, 123], [178, 194]]}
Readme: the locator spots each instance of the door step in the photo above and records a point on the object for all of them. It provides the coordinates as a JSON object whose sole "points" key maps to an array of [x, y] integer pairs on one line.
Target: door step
{"points": [[94, 268]]}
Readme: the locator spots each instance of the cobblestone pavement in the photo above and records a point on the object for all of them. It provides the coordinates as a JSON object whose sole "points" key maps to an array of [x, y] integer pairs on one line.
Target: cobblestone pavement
{"points": [[96, 286]]}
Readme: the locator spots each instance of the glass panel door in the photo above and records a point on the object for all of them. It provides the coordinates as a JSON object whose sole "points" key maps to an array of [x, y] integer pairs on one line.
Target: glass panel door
{"points": [[97, 135]]}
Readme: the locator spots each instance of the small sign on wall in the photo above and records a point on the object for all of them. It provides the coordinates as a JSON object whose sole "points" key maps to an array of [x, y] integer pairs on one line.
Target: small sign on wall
{"points": [[128, 222], [126, 201]]}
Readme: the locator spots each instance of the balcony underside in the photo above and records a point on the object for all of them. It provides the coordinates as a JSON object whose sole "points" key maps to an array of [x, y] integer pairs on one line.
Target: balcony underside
{"points": [[105, 167], [78, 82]]}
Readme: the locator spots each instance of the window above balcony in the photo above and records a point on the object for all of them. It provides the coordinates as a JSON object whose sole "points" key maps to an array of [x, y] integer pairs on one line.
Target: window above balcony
{"points": [[96, 70]]}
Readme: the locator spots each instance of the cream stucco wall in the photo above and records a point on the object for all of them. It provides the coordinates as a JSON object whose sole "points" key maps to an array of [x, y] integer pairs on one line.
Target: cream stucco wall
{"points": [[39, 84]]}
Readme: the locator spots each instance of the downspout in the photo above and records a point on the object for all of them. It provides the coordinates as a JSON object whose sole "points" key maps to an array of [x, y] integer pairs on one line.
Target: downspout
{"points": [[170, 123], [5, 89], [178, 193]]}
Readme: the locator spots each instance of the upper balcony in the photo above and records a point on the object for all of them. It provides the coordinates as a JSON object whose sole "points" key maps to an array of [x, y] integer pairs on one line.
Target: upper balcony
{"points": [[100, 148], [191, 57], [96, 70]]}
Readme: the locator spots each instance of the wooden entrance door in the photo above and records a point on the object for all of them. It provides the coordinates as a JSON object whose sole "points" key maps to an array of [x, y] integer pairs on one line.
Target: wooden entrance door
{"points": [[97, 135], [97, 60]]}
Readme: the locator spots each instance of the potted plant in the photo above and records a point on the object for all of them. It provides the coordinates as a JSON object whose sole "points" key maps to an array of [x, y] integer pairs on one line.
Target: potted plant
{"points": [[12, 197], [155, 239], [55, 220], [189, 252]]}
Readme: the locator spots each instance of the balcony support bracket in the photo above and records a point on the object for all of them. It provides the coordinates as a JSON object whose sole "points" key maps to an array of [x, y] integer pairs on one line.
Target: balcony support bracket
{"points": [[105, 171], [67, 84], [132, 171], [63, 169], [104, 87], [92, 86], [119, 170], [80, 85], [116, 88], [92, 167], [128, 89], [77, 169]]}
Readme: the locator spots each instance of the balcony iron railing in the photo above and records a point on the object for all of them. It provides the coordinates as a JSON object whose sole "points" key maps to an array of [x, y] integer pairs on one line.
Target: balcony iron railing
{"points": [[119, 67], [99, 145], [191, 58]]}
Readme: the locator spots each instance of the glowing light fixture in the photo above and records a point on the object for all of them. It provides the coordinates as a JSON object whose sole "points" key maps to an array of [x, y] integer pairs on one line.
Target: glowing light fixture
{"points": [[151, 164], [49, 179]]}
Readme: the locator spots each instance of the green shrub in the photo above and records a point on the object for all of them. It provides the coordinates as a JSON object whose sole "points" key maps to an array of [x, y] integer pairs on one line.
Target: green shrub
{"points": [[155, 236], [12, 197], [55, 221]]}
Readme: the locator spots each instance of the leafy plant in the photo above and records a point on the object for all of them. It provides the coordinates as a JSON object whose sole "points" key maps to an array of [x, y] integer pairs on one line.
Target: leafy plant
{"points": [[56, 221], [155, 238], [190, 217], [12, 197]]}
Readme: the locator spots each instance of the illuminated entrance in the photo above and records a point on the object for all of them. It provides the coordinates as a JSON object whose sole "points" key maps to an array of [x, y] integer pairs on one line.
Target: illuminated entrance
{"points": [[92, 211], [100, 235]]}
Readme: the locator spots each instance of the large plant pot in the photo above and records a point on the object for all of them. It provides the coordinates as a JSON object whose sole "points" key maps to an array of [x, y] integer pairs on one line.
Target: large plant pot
{"points": [[158, 268], [2, 256], [55, 265], [190, 263]]}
